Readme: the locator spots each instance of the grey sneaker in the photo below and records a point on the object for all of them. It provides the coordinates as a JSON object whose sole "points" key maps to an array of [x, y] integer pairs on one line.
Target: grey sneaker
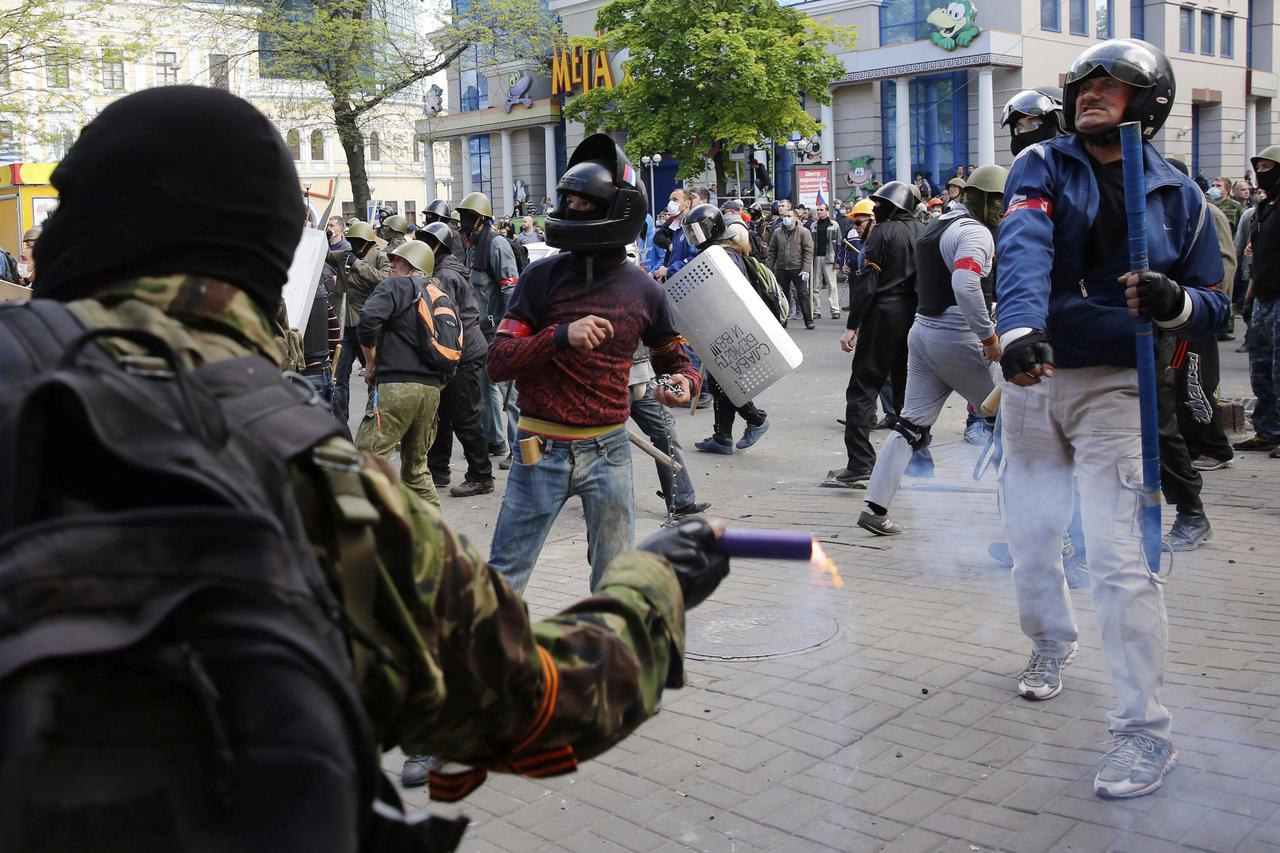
{"points": [[1136, 765], [1042, 679], [880, 525], [1209, 463]]}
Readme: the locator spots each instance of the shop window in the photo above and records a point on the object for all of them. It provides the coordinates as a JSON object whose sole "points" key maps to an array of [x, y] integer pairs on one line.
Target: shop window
{"points": [[939, 105], [375, 147], [1206, 33], [317, 145], [1227, 44], [1102, 19], [1187, 30], [293, 141], [1137, 19], [1079, 17], [166, 68], [1051, 15], [905, 20], [479, 161]]}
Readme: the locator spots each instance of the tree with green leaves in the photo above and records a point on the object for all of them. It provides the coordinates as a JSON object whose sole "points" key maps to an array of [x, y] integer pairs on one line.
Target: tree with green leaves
{"points": [[705, 76], [359, 55]]}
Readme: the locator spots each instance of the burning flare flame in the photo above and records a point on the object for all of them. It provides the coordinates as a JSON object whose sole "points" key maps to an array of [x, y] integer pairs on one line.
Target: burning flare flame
{"points": [[824, 568]]}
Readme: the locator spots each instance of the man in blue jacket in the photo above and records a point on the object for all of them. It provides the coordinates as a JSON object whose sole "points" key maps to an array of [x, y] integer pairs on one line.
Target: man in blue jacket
{"points": [[1066, 309]]}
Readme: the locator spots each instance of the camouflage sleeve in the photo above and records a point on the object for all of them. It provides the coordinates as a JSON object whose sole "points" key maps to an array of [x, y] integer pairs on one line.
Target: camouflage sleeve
{"points": [[484, 683]]}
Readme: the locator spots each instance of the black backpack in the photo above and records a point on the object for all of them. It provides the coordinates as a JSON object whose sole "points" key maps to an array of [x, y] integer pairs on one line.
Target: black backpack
{"points": [[522, 254], [175, 668]]}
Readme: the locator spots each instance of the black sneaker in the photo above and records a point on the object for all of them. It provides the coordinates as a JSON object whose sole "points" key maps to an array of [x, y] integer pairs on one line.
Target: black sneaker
{"points": [[846, 479], [1258, 442], [505, 464], [1189, 532], [441, 479], [1209, 463], [884, 423], [694, 508], [470, 488], [499, 449], [880, 525]]}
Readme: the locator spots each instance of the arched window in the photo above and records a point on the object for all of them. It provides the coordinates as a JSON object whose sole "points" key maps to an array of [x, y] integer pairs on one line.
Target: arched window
{"points": [[317, 145], [294, 140], [375, 147]]}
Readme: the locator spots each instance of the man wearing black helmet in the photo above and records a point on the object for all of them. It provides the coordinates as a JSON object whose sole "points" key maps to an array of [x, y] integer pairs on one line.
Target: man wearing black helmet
{"points": [[461, 400], [438, 210], [1066, 309], [882, 303], [568, 341], [1033, 115]]}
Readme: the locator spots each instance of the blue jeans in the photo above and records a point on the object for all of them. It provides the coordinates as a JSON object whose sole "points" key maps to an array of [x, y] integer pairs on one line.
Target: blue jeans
{"points": [[655, 421], [1264, 366], [597, 470], [491, 411], [323, 383]]}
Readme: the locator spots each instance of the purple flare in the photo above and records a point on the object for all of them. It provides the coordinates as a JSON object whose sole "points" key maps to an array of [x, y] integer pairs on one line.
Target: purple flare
{"points": [[775, 544]]}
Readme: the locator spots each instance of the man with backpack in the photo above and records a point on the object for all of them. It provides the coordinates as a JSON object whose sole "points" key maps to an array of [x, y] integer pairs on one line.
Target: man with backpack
{"points": [[216, 625], [405, 372]]}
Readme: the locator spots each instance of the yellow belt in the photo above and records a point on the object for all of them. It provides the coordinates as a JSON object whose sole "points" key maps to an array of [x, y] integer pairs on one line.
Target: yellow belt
{"points": [[567, 432]]}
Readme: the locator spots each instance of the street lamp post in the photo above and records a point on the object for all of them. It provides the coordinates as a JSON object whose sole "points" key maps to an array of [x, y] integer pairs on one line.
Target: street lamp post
{"points": [[447, 180], [652, 160]]}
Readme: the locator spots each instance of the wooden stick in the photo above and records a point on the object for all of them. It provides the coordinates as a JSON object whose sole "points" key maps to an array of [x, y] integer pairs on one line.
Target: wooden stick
{"points": [[647, 447], [991, 405]]}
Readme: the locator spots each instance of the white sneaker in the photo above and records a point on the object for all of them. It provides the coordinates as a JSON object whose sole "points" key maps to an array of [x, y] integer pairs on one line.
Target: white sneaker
{"points": [[1042, 678]]}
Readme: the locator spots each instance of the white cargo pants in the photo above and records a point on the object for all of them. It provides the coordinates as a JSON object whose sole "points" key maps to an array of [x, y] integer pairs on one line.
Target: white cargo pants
{"points": [[1085, 420]]}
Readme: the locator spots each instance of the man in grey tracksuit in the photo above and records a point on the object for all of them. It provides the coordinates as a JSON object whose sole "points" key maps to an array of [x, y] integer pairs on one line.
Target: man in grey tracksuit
{"points": [[952, 345]]}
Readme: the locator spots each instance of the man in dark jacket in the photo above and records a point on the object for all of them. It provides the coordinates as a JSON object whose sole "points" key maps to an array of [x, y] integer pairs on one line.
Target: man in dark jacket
{"points": [[1264, 294], [405, 390], [462, 399], [360, 267], [882, 303]]}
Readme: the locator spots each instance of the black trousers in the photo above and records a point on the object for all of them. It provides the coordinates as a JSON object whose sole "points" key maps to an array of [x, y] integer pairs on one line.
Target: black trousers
{"points": [[351, 352], [1199, 420], [880, 352], [460, 404], [1179, 480], [725, 411], [790, 280]]}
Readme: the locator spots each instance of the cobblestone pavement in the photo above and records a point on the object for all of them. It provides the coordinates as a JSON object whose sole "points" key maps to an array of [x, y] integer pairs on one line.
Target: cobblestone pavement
{"points": [[902, 732]]}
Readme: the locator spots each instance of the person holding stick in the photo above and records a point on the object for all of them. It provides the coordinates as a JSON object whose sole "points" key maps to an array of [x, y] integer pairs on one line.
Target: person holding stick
{"points": [[1068, 304]]}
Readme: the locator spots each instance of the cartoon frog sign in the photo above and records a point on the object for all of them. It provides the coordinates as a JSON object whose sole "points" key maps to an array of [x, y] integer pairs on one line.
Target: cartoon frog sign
{"points": [[859, 173], [957, 24]]}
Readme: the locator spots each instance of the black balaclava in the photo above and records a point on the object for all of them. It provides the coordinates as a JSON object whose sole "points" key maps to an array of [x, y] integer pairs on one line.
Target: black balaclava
{"points": [[140, 194]]}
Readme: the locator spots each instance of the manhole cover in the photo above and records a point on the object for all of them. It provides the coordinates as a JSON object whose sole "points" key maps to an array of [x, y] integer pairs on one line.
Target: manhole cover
{"points": [[755, 633]]}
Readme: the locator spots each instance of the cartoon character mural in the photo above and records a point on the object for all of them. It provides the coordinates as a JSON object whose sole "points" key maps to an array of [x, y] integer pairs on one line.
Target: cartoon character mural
{"points": [[957, 24], [859, 176], [520, 83]]}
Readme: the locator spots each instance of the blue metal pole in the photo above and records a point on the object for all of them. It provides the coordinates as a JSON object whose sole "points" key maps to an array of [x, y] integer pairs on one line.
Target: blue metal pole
{"points": [[1135, 205]]}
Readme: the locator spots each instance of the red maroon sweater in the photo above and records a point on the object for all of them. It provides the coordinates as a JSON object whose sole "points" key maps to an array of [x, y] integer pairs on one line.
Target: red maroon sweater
{"points": [[573, 386]]}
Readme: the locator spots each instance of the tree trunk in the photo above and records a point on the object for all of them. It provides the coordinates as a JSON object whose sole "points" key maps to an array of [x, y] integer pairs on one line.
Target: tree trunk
{"points": [[353, 146], [721, 160]]}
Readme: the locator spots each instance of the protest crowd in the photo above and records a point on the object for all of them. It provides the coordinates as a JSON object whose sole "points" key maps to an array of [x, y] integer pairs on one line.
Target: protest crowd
{"points": [[547, 344]]}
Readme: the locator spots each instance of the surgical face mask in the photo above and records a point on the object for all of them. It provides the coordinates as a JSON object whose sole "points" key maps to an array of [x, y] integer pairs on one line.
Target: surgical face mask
{"points": [[673, 208], [788, 222], [1215, 193], [24, 270]]}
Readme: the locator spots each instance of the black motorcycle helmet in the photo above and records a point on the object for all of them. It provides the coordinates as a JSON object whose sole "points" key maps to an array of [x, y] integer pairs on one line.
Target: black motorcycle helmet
{"points": [[1044, 102], [439, 237], [1138, 63], [598, 171], [703, 226], [437, 210], [892, 198]]}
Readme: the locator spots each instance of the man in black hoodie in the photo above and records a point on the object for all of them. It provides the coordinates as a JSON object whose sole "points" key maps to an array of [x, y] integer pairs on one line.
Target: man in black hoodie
{"points": [[405, 391]]}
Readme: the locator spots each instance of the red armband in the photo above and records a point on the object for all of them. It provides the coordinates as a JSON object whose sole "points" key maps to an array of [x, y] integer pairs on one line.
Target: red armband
{"points": [[1041, 204], [968, 264], [507, 282], [514, 328]]}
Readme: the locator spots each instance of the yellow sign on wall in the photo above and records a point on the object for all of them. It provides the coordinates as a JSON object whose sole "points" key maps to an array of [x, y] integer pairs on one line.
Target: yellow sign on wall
{"points": [[576, 69]]}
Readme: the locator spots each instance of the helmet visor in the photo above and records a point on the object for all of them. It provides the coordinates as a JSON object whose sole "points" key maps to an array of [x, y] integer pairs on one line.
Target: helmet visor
{"points": [[1025, 104], [1133, 68], [696, 233]]}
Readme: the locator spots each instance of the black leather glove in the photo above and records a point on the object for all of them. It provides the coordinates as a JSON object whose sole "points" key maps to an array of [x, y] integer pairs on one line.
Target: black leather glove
{"points": [[1025, 354], [688, 548], [1159, 297]]}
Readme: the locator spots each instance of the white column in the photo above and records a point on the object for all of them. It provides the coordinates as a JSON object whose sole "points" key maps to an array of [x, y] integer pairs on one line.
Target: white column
{"points": [[902, 133], [466, 165], [986, 119], [1250, 132], [827, 117], [429, 181], [508, 176], [549, 143]]}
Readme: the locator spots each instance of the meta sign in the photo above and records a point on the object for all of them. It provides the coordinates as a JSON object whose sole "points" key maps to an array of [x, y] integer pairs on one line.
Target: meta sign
{"points": [[575, 69]]}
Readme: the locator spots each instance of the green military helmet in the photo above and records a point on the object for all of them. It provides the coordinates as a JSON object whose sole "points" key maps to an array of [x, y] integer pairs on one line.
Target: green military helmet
{"points": [[478, 203], [915, 191], [455, 217], [361, 230], [987, 179], [1271, 152], [956, 182], [396, 223], [418, 254], [32, 234]]}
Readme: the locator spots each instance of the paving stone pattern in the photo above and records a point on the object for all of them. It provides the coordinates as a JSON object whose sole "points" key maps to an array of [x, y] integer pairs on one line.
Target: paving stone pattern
{"points": [[904, 733]]}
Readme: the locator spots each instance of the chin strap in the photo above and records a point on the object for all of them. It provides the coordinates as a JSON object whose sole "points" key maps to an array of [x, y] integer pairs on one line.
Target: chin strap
{"points": [[1111, 137]]}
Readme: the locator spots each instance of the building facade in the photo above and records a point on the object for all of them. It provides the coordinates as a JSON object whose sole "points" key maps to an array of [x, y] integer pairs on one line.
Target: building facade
{"points": [[923, 92]]}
